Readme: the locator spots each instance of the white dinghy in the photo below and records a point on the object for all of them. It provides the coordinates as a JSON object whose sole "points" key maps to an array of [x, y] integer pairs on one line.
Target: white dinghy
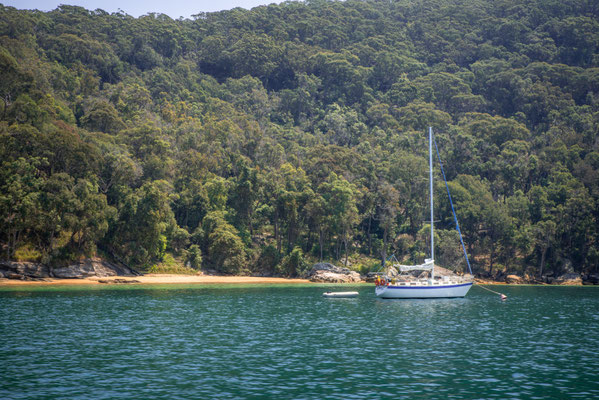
{"points": [[340, 294]]}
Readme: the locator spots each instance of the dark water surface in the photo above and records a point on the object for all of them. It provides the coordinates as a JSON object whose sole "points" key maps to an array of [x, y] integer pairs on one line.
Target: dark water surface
{"points": [[288, 342]]}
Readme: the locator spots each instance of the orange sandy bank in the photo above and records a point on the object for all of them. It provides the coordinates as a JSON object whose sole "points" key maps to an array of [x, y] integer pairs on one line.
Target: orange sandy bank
{"points": [[156, 279]]}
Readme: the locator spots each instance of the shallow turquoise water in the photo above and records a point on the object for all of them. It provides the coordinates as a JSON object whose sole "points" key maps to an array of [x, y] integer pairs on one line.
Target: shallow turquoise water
{"points": [[288, 342]]}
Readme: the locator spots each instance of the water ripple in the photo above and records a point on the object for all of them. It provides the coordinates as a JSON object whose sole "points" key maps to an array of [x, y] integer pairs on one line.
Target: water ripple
{"points": [[290, 343]]}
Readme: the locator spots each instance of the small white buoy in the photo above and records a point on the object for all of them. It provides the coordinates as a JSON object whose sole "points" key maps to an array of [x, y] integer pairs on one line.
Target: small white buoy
{"points": [[503, 297]]}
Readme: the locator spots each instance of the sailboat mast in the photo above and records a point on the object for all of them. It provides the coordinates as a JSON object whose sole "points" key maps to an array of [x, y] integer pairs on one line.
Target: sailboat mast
{"points": [[430, 163]]}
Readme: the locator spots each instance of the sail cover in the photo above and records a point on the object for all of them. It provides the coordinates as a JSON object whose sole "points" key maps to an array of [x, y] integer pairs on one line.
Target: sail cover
{"points": [[427, 266]]}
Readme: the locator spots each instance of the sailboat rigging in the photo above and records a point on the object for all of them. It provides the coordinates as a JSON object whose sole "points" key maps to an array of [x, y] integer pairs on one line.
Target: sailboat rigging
{"points": [[434, 286]]}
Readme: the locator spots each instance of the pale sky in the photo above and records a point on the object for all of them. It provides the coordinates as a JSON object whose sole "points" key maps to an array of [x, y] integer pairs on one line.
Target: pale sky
{"points": [[172, 8]]}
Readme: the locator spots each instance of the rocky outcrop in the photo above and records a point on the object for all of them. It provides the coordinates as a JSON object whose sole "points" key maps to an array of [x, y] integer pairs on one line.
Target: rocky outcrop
{"points": [[514, 279], [118, 281], [331, 277], [329, 273], [90, 267], [569, 279], [590, 279], [440, 271], [391, 272], [23, 270]]}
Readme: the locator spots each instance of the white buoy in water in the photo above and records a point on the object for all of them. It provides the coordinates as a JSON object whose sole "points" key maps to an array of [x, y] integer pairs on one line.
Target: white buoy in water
{"points": [[340, 294]]}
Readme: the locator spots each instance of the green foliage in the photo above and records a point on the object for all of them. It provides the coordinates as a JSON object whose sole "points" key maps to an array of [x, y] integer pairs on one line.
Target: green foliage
{"points": [[267, 260], [170, 265], [103, 117], [194, 257], [91, 215], [224, 249], [241, 140], [26, 253], [139, 233], [293, 264], [19, 193]]}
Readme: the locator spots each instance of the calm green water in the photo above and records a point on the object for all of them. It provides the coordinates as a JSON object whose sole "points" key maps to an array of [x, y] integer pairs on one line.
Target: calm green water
{"points": [[287, 342]]}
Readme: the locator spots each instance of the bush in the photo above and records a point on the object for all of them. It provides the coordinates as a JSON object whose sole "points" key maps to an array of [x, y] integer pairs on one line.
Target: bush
{"points": [[365, 268], [170, 265], [27, 253], [293, 264], [171, 269], [268, 259], [226, 250], [178, 240], [193, 258]]}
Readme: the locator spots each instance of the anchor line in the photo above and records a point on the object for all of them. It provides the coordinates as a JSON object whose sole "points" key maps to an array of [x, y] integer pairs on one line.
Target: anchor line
{"points": [[492, 291]]}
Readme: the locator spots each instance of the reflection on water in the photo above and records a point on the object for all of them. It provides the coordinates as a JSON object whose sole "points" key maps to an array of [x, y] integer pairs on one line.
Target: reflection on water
{"points": [[288, 342]]}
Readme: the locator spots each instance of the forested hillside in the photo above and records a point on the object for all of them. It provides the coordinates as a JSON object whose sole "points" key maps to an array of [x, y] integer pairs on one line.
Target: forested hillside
{"points": [[259, 140]]}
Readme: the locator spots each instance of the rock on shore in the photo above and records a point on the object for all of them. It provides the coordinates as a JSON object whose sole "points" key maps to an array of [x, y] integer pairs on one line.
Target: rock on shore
{"points": [[569, 279], [90, 267], [329, 273], [590, 279], [514, 279], [23, 270]]}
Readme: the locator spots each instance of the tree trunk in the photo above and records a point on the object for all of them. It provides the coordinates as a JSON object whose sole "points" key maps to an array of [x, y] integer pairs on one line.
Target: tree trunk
{"points": [[12, 243], [8, 244], [543, 253], [309, 240], [6, 99], [345, 243], [385, 240], [276, 223], [250, 225], [320, 241], [491, 258], [369, 235]]}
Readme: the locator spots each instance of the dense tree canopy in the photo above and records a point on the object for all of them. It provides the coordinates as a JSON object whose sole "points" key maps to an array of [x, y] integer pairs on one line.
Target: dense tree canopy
{"points": [[252, 140]]}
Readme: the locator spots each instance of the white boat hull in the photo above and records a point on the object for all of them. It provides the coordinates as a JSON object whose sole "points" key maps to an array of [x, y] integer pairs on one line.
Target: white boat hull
{"points": [[423, 291], [340, 294]]}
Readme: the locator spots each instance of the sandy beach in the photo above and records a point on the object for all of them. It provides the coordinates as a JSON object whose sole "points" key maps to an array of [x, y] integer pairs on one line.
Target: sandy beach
{"points": [[155, 279]]}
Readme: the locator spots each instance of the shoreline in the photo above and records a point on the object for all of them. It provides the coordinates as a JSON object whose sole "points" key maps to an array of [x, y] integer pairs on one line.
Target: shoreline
{"points": [[158, 279], [152, 279]]}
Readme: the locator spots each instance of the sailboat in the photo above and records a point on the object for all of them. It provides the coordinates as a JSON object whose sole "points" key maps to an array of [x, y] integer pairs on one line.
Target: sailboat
{"points": [[432, 286]]}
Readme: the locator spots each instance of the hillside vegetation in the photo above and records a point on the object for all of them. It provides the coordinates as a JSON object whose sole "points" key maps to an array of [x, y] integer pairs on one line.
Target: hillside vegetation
{"points": [[258, 140]]}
